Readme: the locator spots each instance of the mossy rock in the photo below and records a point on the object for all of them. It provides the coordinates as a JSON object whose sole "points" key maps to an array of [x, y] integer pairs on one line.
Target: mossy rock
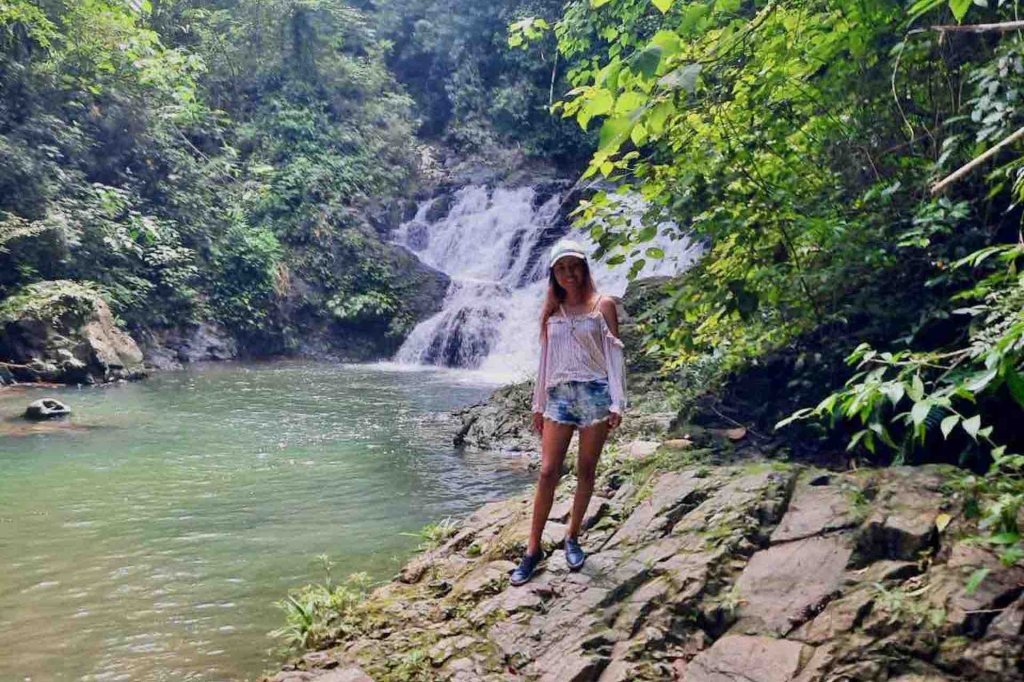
{"points": [[63, 331]]}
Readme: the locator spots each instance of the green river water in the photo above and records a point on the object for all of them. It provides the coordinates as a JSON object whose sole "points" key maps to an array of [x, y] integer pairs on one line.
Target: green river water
{"points": [[148, 537]]}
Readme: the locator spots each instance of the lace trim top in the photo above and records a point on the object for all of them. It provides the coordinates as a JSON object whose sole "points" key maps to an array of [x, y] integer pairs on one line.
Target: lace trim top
{"points": [[580, 348]]}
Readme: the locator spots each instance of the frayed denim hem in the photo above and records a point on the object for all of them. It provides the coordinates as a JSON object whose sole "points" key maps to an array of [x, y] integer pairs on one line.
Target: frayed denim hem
{"points": [[579, 426]]}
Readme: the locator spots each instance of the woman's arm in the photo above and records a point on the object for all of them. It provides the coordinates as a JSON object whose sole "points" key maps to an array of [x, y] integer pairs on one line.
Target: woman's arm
{"points": [[614, 356], [540, 394]]}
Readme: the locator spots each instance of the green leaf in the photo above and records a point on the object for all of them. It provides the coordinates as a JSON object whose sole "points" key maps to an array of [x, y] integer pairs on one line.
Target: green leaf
{"points": [[919, 412], [658, 116], [922, 7], [727, 5], [655, 252], [599, 3], [648, 233], [974, 582], [1015, 382], [1008, 538], [668, 41], [894, 392], [628, 102], [948, 424], [639, 134], [683, 78], [959, 8], [916, 388], [663, 5], [972, 425], [646, 61], [692, 17], [598, 105], [978, 382], [613, 133]]}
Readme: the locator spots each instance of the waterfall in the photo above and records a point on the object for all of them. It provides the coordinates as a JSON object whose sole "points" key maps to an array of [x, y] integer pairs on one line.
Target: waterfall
{"points": [[493, 244]]}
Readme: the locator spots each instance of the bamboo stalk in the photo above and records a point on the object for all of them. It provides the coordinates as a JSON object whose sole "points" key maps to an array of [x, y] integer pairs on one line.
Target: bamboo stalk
{"points": [[1003, 26], [974, 163]]}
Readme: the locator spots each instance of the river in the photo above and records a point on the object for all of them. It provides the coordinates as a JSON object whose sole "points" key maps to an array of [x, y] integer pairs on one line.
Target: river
{"points": [[149, 536]]}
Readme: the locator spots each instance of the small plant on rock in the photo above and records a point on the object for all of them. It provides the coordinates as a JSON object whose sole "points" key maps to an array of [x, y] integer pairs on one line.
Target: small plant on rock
{"points": [[434, 534], [319, 613]]}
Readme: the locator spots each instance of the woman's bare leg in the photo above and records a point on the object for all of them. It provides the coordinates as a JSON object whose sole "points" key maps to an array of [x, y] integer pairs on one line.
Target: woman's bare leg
{"points": [[554, 442], [592, 440]]}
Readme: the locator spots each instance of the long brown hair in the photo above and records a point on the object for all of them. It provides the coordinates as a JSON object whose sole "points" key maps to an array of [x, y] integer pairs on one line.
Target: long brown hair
{"points": [[556, 295]]}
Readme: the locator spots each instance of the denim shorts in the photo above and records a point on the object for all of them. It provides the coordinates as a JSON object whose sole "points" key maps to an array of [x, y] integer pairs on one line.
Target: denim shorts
{"points": [[580, 403]]}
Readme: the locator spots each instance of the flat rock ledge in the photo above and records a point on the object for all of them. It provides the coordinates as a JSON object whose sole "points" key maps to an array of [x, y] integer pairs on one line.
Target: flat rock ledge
{"points": [[759, 572]]}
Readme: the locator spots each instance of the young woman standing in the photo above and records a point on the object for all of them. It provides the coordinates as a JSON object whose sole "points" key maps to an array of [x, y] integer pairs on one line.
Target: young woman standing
{"points": [[580, 386]]}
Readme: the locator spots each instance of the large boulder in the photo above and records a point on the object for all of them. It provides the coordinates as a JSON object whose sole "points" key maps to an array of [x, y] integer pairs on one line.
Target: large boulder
{"points": [[189, 343], [64, 332]]}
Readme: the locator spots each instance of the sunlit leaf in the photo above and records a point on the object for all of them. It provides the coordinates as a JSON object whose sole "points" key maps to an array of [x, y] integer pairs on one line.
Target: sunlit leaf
{"points": [[948, 424], [974, 582], [683, 78], [972, 425]]}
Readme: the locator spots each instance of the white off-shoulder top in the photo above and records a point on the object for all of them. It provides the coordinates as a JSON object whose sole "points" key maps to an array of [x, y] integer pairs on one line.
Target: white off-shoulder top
{"points": [[580, 348]]}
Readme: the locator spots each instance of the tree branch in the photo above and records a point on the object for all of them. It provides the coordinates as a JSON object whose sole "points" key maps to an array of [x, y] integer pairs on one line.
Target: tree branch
{"points": [[1003, 26], [971, 165]]}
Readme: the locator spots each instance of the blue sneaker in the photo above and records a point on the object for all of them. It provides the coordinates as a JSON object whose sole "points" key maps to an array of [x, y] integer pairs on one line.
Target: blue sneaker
{"points": [[574, 554], [524, 571]]}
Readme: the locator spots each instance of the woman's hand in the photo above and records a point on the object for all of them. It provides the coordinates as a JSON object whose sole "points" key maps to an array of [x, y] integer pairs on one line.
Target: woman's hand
{"points": [[614, 419], [538, 423]]}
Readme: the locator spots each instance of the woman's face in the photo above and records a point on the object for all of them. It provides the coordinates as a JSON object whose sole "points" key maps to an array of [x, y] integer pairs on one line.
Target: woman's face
{"points": [[570, 273]]}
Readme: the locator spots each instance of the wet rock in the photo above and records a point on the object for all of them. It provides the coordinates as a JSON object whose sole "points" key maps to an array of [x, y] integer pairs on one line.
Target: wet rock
{"points": [[191, 343], [502, 422], [46, 408], [440, 208], [752, 659], [785, 585]]}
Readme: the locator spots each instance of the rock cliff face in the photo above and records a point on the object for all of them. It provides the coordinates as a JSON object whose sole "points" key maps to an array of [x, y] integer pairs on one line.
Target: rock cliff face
{"points": [[704, 571], [62, 332]]}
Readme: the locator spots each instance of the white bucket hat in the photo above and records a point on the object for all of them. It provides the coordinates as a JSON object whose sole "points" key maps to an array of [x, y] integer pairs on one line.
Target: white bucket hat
{"points": [[566, 247]]}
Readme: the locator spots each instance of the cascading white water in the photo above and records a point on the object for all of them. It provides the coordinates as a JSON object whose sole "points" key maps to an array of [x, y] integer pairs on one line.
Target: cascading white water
{"points": [[493, 245]]}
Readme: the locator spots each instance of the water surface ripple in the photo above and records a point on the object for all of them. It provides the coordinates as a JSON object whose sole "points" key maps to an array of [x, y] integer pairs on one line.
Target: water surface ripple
{"points": [[149, 537]]}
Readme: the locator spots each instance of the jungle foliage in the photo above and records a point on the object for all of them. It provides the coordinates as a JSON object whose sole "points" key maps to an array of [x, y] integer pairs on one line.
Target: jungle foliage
{"points": [[802, 143], [199, 160]]}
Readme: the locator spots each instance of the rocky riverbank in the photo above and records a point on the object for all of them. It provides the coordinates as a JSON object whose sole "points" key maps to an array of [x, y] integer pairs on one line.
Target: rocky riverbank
{"points": [[703, 566]]}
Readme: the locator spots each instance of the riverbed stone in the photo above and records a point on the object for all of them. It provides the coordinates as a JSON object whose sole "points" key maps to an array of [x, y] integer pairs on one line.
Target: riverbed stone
{"points": [[813, 510], [901, 524], [639, 449], [971, 612], [698, 588], [752, 659], [784, 585], [672, 495]]}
